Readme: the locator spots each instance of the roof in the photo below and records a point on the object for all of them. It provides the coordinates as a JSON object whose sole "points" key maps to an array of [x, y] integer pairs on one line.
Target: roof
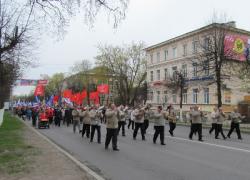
{"points": [[197, 31]]}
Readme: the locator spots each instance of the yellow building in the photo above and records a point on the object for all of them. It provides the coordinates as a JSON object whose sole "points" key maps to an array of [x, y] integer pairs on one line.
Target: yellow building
{"points": [[177, 54]]}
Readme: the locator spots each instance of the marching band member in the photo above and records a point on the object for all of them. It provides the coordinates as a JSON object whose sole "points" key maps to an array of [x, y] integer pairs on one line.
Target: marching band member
{"points": [[220, 120], [86, 122], [171, 116], [112, 126], [159, 124], [139, 123], [196, 125], [76, 119], [121, 120], [236, 118], [95, 117]]}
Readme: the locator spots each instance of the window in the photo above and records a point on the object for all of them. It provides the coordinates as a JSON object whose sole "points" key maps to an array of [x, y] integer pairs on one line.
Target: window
{"points": [[174, 70], [184, 50], [174, 98], [165, 74], [195, 46], [184, 96], [150, 95], [195, 96], [165, 55], [158, 57], [184, 70], [158, 75], [174, 52], [194, 69], [206, 43], [206, 68], [227, 97], [158, 97], [165, 97], [151, 58], [206, 95], [151, 76]]}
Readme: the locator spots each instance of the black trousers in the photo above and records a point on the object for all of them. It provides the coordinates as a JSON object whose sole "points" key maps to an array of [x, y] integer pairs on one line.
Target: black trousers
{"points": [[172, 127], [219, 130], [146, 124], [111, 134], [68, 120], [34, 121], [159, 130], [57, 121], [137, 127], [196, 128], [212, 128], [98, 129], [121, 124], [50, 120], [234, 126], [86, 128], [131, 123]]}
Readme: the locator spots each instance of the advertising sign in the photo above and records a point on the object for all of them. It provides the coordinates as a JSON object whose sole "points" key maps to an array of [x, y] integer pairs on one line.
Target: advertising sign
{"points": [[236, 47]]}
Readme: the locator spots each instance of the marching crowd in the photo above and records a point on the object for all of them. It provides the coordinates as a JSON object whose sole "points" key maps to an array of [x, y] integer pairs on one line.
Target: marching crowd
{"points": [[87, 120]]}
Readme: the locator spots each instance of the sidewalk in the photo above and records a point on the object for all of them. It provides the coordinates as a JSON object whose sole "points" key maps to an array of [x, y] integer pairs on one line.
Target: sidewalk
{"points": [[1, 116], [45, 163]]}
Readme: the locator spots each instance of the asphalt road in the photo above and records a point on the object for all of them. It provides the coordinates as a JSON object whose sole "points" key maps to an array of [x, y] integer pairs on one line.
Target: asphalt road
{"points": [[180, 159]]}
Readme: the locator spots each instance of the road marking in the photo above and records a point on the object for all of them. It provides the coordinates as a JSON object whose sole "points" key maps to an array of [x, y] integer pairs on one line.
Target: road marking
{"points": [[210, 144]]}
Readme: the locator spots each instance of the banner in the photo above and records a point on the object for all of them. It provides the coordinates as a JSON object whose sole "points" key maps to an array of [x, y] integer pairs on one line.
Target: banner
{"points": [[30, 82], [236, 47], [103, 88], [39, 91]]}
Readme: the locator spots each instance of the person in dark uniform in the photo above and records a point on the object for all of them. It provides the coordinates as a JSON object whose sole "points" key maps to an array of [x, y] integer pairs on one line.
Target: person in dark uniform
{"points": [[159, 124], [121, 120], [196, 126], [236, 118], [34, 116], [58, 116], [220, 120], [112, 126], [68, 116], [139, 123]]}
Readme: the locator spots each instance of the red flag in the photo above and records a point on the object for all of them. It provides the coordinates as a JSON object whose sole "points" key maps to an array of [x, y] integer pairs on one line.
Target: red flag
{"points": [[103, 88], [94, 96], [67, 93], [78, 99], [39, 91], [83, 94], [55, 99]]}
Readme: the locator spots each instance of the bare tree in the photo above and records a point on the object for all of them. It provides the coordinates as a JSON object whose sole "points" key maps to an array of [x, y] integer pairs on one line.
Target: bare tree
{"points": [[14, 43], [128, 66]]}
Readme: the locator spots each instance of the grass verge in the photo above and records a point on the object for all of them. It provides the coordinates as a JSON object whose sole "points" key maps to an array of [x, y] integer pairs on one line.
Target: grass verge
{"points": [[14, 152]]}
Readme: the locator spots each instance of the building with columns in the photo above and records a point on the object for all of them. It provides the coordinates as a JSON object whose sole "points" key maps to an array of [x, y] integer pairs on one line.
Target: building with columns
{"points": [[177, 54]]}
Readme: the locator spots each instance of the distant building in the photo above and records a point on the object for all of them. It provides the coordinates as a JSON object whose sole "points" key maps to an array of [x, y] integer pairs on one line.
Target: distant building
{"points": [[176, 54]]}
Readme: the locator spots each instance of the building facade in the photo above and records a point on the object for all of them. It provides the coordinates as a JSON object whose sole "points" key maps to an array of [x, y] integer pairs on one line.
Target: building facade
{"points": [[177, 54]]}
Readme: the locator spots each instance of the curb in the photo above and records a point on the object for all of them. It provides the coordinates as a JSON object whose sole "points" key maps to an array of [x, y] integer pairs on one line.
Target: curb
{"points": [[72, 158]]}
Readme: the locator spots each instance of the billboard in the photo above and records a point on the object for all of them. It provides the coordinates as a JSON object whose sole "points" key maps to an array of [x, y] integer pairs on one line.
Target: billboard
{"points": [[30, 82], [236, 47]]}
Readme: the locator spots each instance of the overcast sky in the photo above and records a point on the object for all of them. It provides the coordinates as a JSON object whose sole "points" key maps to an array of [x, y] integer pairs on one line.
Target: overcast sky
{"points": [[150, 21]]}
